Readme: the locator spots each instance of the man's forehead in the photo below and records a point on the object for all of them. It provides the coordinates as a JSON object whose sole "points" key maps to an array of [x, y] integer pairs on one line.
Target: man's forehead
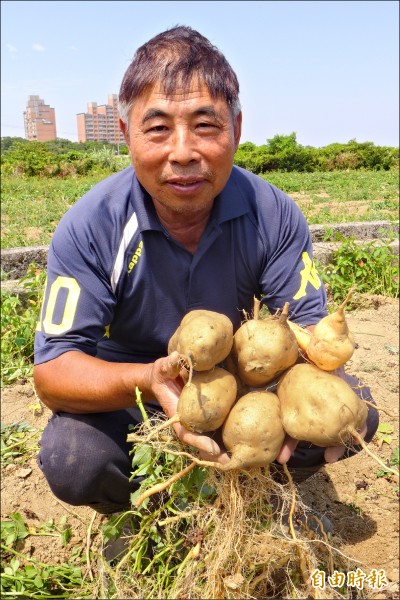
{"points": [[193, 89]]}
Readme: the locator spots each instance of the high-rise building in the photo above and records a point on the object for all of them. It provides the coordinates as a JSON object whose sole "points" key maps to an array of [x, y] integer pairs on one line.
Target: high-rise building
{"points": [[39, 120], [100, 123]]}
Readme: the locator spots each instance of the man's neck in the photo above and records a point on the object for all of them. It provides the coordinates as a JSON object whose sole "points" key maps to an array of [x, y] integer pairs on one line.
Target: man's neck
{"points": [[186, 228]]}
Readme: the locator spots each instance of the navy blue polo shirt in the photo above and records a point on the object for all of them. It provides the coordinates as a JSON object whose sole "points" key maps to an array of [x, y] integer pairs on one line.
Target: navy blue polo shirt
{"points": [[118, 285]]}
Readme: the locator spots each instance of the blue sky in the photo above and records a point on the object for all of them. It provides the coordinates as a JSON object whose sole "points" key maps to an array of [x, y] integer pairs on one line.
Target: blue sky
{"points": [[328, 71]]}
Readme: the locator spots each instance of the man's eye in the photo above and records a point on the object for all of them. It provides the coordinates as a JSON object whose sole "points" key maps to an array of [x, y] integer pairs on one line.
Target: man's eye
{"points": [[157, 129]]}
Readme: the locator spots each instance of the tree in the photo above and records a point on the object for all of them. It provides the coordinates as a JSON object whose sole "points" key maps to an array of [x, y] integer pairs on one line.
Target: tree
{"points": [[282, 143]]}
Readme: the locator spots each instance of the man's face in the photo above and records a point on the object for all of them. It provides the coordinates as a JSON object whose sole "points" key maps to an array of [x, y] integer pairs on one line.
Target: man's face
{"points": [[182, 146]]}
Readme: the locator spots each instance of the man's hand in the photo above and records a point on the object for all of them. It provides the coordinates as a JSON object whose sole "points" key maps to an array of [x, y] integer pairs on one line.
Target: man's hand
{"points": [[331, 454], [167, 380], [334, 453]]}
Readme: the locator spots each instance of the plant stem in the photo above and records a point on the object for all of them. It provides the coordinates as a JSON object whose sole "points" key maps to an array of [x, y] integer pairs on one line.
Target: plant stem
{"points": [[139, 404]]}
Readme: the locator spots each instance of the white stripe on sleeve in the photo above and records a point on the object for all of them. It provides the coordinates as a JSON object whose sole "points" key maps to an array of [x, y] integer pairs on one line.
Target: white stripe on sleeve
{"points": [[129, 232]]}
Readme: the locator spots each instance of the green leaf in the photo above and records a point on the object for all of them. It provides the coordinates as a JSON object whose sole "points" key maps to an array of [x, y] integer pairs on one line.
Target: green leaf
{"points": [[38, 581], [14, 564], [66, 536], [395, 459], [386, 439], [30, 571], [382, 473], [385, 428]]}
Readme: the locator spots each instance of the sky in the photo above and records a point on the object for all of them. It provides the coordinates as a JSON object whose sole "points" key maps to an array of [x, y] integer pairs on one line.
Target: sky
{"points": [[328, 71]]}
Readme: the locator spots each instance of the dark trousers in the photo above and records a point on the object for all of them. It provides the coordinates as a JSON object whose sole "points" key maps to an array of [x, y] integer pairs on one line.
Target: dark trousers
{"points": [[86, 458]]}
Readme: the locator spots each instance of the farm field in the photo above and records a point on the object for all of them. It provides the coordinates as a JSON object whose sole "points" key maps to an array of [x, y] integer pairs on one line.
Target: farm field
{"points": [[360, 500], [32, 206]]}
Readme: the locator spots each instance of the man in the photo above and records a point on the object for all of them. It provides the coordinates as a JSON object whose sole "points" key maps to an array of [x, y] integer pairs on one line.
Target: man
{"points": [[182, 230]]}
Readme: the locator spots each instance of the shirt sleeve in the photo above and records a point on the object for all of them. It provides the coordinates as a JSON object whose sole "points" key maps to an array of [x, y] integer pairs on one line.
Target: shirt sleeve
{"points": [[289, 273], [78, 302]]}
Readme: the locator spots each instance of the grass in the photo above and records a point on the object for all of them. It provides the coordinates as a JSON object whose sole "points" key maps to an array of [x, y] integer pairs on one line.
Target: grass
{"points": [[341, 196], [32, 206]]}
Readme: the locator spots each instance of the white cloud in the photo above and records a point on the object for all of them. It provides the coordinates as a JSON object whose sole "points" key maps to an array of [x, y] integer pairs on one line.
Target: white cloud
{"points": [[11, 48], [73, 48], [38, 47]]}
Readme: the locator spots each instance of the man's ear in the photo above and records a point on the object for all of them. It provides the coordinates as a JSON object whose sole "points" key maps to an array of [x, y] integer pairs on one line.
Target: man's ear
{"points": [[237, 129], [124, 128]]}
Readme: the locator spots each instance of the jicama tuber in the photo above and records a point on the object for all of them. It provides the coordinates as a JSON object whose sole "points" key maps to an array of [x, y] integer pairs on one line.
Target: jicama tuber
{"points": [[264, 348], [253, 431], [319, 407], [204, 338], [205, 403], [331, 344]]}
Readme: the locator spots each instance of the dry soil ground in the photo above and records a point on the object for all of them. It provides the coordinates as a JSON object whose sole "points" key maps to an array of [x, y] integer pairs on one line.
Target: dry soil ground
{"points": [[362, 506]]}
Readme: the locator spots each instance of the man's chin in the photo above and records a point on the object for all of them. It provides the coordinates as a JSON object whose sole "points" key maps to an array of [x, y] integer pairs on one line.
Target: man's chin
{"points": [[185, 207]]}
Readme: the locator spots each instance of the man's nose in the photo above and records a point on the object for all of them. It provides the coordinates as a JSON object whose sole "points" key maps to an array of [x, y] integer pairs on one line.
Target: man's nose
{"points": [[183, 148]]}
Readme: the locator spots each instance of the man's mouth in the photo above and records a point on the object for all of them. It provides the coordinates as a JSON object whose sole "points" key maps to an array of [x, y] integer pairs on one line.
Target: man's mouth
{"points": [[185, 182], [186, 185]]}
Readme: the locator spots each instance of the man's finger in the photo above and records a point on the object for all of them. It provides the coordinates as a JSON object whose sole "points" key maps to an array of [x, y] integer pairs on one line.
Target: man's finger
{"points": [[333, 453], [201, 442], [221, 458], [288, 447], [362, 433]]}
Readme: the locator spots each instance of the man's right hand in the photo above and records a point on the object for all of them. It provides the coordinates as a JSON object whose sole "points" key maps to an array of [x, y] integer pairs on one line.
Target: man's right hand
{"points": [[167, 379]]}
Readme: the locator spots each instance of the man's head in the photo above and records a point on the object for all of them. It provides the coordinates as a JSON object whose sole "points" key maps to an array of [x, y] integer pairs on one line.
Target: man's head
{"points": [[174, 58], [181, 119]]}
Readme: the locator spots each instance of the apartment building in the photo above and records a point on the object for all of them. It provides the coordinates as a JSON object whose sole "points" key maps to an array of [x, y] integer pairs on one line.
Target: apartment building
{"points": [[100, 122], [39, 120]]}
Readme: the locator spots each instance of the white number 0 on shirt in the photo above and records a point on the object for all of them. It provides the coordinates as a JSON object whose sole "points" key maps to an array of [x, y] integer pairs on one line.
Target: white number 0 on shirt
{"points": [[71, 302]]}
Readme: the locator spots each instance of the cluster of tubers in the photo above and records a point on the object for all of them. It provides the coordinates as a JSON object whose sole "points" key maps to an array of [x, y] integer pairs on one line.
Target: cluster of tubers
{"points": [[311, 403]]}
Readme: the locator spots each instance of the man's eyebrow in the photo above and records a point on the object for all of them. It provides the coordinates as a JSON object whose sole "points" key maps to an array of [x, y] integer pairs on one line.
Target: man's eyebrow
{"points": [[207, 110], [151, 113]]}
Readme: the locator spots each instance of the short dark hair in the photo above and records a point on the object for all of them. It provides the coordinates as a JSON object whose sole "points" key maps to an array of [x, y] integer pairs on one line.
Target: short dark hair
{"points": [[173, 58]]}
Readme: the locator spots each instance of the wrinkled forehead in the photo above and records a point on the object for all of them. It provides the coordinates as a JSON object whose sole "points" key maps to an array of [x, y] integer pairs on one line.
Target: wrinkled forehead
{"points": [[195, 91], [178, 86], [181, 90]]}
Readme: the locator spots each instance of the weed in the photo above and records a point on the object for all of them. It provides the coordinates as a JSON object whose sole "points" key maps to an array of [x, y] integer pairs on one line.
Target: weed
{"points": [[354, 508], [28, 578], [50, 528], [394, 461], [32, 207], [160, 544], [23, 576], [366, 267], [16, 443], [19, 315], [376, 193], [383, 433], [13, 530]]}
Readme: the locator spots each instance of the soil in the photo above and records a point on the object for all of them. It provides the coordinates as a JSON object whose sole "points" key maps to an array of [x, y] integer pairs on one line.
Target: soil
{"points": [[362, 505]]}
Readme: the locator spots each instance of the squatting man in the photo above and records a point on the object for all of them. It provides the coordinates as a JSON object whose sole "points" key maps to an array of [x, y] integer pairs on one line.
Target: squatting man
{"points": [[180, 229]]}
